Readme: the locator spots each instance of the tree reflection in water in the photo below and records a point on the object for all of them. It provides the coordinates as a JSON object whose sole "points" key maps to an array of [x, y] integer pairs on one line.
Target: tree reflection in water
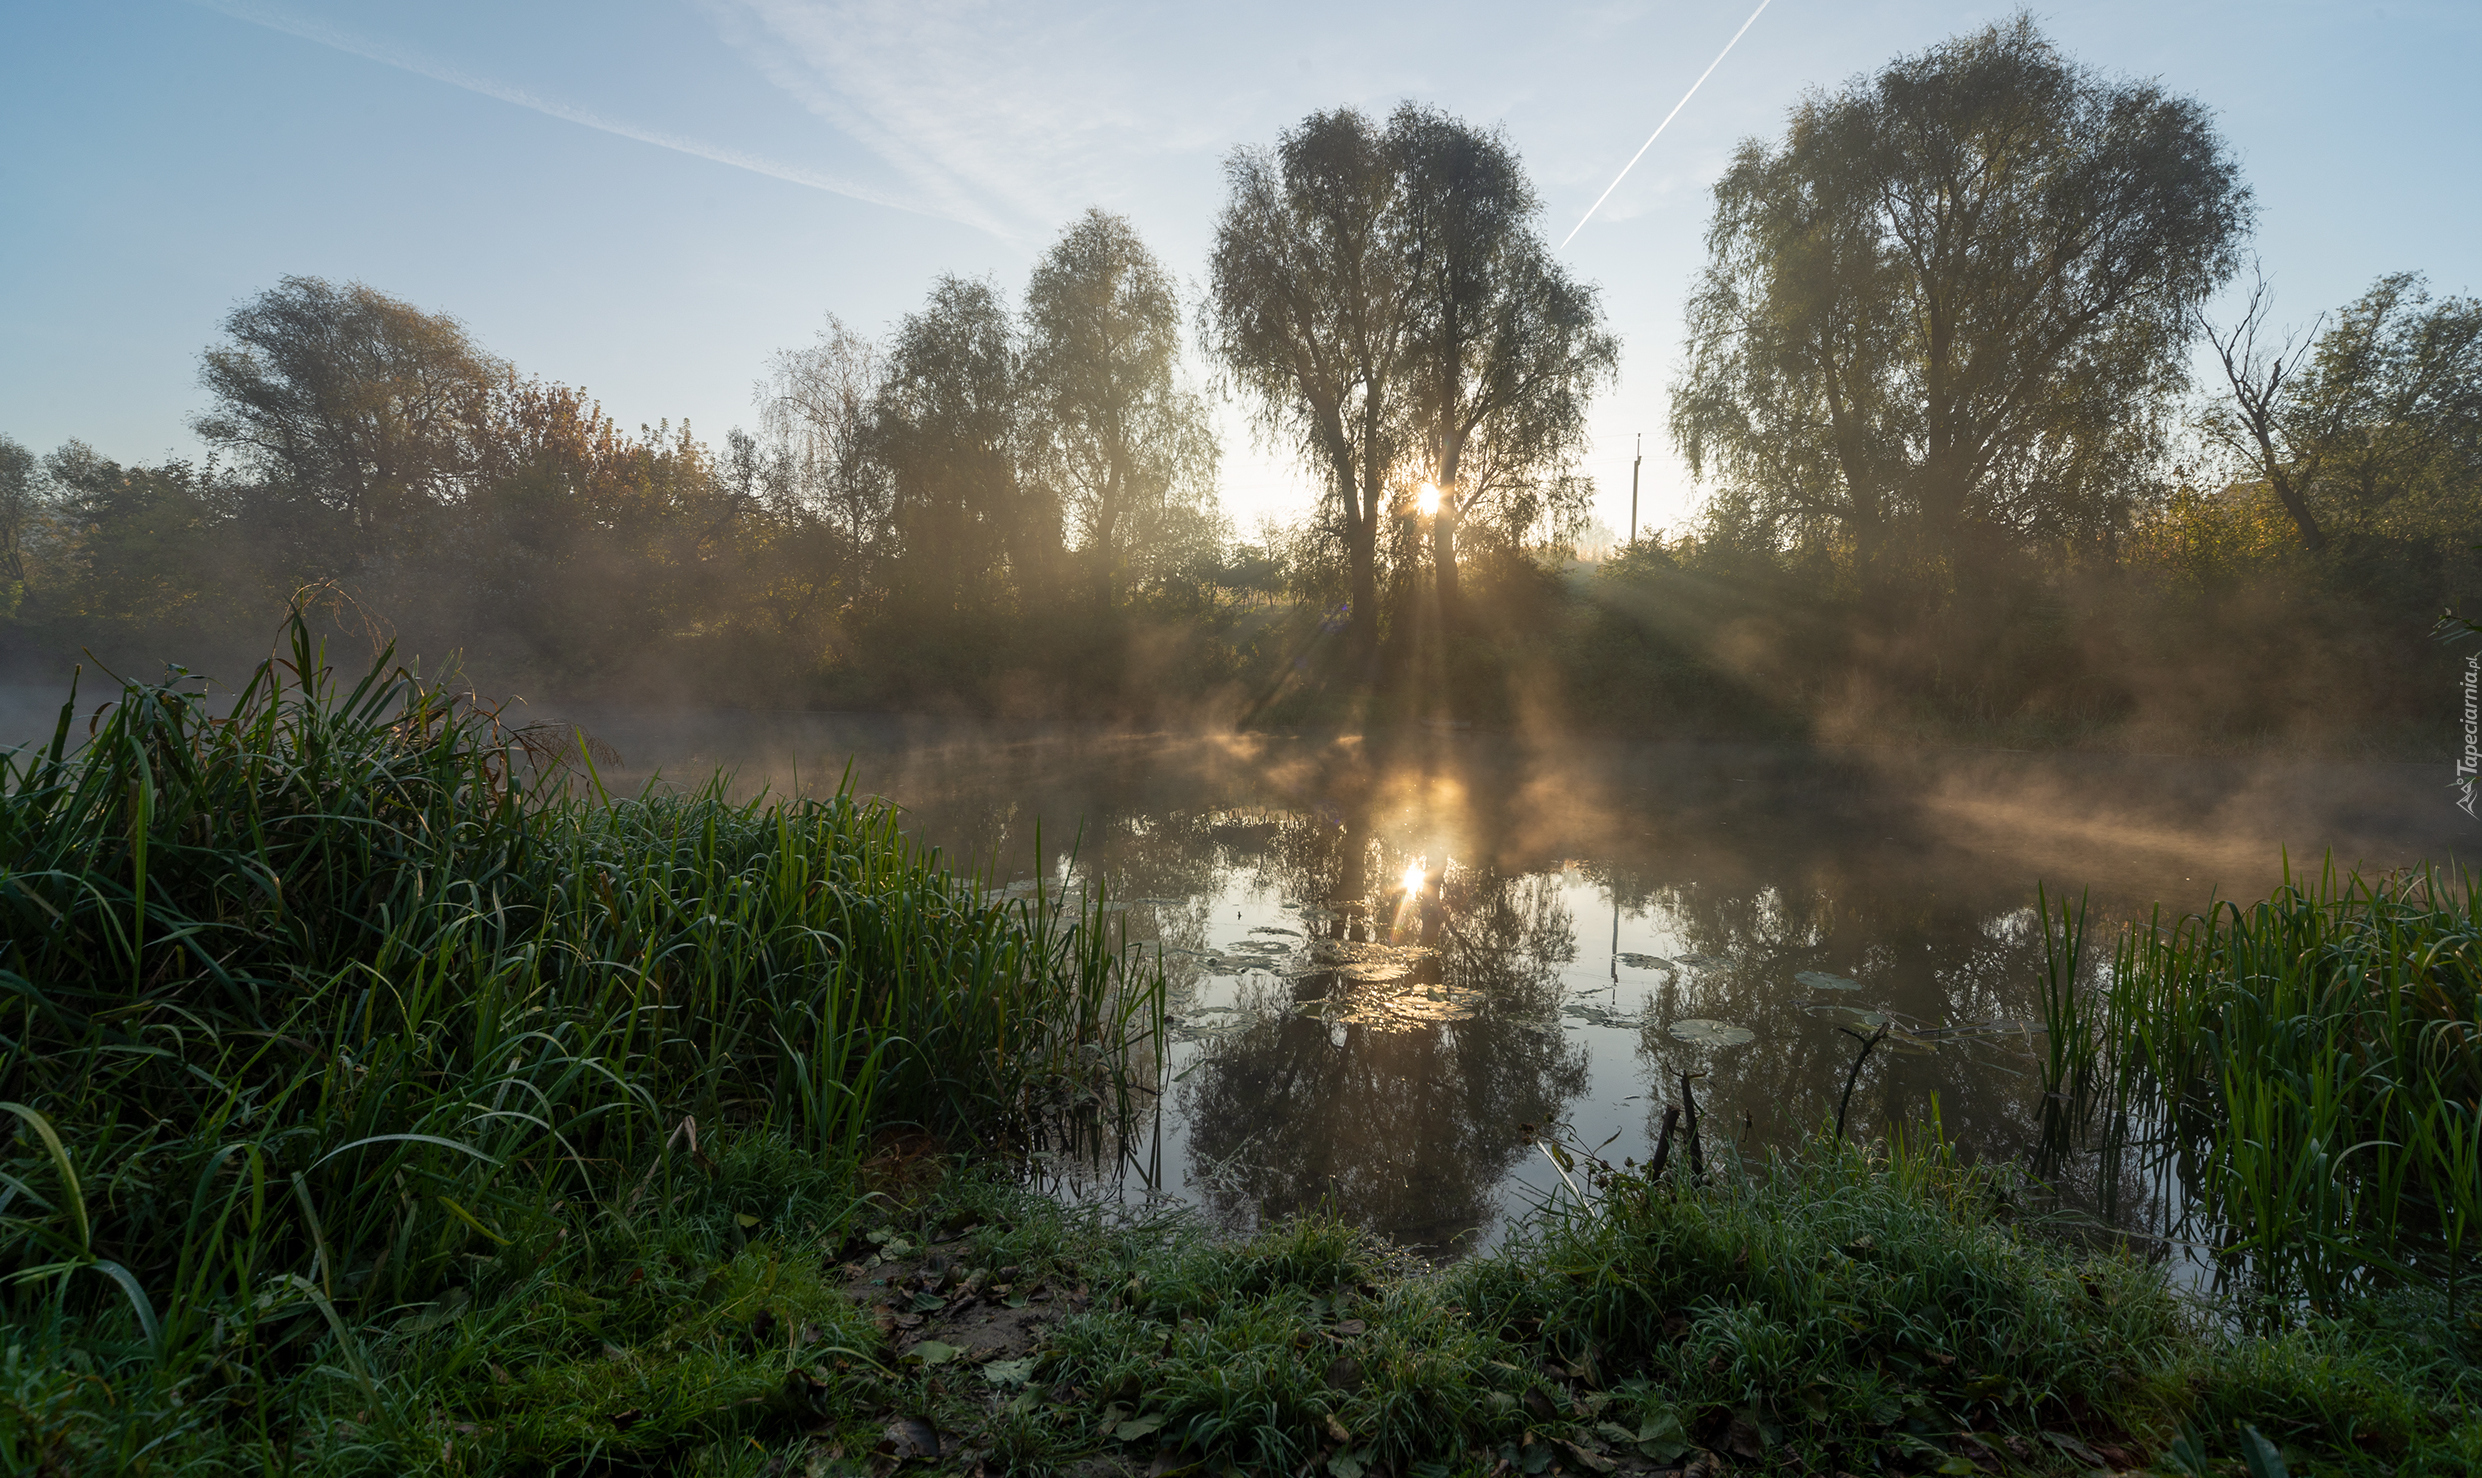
{"points": [[1397, 1101], [1933, 961]]}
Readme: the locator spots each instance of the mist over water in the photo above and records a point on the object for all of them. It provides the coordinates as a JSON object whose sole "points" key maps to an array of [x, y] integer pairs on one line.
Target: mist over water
{"points": [[1390, 954]]}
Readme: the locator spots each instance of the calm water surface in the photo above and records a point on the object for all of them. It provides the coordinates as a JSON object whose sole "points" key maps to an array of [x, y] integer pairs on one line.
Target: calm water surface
{"points": [[1390, 955]]}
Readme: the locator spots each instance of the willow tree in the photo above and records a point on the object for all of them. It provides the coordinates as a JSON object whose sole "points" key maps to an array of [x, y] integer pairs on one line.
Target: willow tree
{"points": [[950, 426], [1506, 349], [1310, 316], [351, 401], [1129, 447], [1955, 300]]}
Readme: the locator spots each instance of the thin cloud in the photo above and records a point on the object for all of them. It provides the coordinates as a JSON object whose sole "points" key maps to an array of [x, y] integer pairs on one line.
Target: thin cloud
{"points": [[405, 61], [1030, 115]]}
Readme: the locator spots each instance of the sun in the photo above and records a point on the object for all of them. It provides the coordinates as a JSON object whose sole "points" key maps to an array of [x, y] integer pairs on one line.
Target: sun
{"points": [[1413, 876], [1426, 498]]}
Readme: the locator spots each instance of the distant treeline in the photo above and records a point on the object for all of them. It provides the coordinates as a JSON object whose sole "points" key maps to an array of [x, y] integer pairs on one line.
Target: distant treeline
{"points": [[1937, 379]]}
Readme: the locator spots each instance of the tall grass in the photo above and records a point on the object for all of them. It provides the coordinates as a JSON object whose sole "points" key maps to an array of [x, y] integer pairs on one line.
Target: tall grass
{"points": [[2303, 1077], [306, 1003]]}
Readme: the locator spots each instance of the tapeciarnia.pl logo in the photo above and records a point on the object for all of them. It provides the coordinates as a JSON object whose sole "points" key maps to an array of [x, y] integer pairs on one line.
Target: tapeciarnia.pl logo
{"points": [[2469, 764]]}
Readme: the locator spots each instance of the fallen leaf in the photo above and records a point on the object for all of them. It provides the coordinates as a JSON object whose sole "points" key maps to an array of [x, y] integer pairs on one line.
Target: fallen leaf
{"points": [[1338, 1430], [911, 1437], [1009, 1372], [746, 1221], [935, 1352], [1584, 1458], [1346, 1465], [1141, 1426], [1351, 1327], [1660, 1437], [1345, 1375]]}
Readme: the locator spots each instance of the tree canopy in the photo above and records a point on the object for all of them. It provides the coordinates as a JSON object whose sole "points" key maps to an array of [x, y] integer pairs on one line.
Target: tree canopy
{"points": [[1954, 301], [358, 401], [1130, 448]]}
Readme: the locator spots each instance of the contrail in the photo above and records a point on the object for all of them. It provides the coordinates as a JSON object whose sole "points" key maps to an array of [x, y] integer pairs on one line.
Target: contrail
{"points": [[1660, 127]]}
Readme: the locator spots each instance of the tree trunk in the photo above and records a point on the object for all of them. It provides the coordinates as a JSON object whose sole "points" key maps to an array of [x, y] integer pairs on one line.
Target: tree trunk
{"points": [[1362, 628], [1443, 531], [1104, 520]]}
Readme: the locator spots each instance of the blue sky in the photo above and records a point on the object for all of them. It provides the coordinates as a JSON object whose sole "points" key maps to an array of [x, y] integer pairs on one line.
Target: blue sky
{"points": [[649, 197]]}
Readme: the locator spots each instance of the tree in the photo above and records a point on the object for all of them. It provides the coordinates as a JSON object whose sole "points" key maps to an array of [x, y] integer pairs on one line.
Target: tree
{"points": [[815, 411], [143, 542], [1506, 349], [1130, 449], [1955, 300], [1309, 315], [21, 504], [949, 425], [356, 401], [2380, 413]]}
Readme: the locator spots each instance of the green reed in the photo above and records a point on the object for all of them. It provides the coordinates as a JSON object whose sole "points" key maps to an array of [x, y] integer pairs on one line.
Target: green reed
{"points": [[309, 999], [2304, 1072]]}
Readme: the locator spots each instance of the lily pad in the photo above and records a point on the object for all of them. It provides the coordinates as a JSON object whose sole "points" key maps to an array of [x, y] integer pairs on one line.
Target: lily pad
{"points": [[1375, 972], [1821, 980], [1699, 1031]]}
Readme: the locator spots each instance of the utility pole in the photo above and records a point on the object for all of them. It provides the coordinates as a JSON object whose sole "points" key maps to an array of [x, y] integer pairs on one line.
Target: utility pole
{"points": [[1633, 466]]}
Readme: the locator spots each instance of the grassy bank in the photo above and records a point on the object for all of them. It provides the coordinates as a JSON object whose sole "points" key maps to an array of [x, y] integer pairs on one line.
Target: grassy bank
{"points": [[319, 1002], [1839, 1310], [383, 1097]]}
